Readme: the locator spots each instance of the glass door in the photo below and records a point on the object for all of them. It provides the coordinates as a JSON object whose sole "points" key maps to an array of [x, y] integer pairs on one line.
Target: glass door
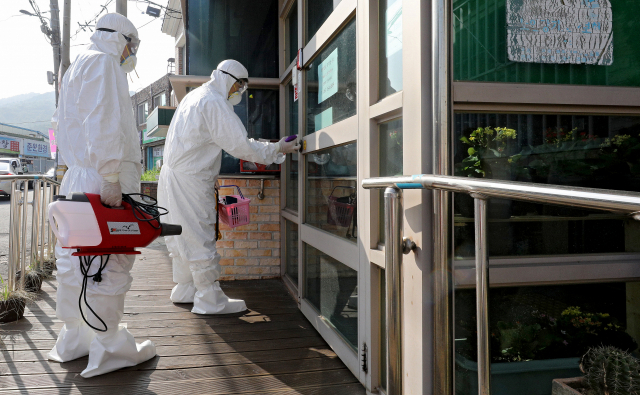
{"points": [[563, 280]]}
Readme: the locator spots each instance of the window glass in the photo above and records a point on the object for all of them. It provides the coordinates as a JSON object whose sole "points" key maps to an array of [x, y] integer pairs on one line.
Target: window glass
{"points": [[244, 30], [331, 191], [331, 82], [383, 330], [332, 288], [291, 245], [317, 12], [143, 113], [539, 333], [390, 160], [292, 160], [292, 33], [159, 100], [390, 47], [490, 35], [578, 150], [258, 111]]}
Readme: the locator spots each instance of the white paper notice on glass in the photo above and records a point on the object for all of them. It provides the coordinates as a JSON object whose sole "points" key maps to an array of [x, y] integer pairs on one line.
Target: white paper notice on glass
{"points": [[328, 77], [560, 31], [393, 34], [324, 119]]}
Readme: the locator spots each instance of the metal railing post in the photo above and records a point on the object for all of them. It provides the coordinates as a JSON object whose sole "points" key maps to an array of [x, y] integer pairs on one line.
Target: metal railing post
{"points": [[393, 278], [35, 222], [43, 221], [13, 237], [23, 259], [50, 237], [482, 293]]}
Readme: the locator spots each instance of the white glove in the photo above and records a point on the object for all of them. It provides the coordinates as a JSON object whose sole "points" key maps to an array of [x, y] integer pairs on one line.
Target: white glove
{"points": [[110, 190], [288, 147]]}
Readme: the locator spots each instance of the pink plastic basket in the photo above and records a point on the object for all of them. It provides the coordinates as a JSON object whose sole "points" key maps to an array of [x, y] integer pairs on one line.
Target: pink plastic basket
{"points": [[236, 214]]}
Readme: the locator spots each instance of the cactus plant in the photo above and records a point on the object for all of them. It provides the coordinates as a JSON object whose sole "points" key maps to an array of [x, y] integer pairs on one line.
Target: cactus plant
{"points": [[611, 371]]}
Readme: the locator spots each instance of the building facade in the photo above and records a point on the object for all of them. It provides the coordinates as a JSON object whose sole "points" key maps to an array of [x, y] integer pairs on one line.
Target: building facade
{"points": [[144, 102], [532, 91]]}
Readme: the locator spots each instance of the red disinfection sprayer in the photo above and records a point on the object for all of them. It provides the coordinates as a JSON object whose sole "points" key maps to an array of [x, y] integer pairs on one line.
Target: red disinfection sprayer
{"points": [[81, 222]]}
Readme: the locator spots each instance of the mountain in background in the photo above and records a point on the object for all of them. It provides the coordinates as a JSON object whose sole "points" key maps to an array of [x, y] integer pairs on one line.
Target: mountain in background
{"points": [[30, 111]]}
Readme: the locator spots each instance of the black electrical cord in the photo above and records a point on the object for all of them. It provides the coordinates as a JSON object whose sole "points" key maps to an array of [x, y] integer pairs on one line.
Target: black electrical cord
{"points": [[144, 209], [150, 209], [85, 265]]}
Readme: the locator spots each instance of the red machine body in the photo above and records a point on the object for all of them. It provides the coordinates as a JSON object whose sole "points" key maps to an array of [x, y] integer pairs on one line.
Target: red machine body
{"points": [[120, 232]]}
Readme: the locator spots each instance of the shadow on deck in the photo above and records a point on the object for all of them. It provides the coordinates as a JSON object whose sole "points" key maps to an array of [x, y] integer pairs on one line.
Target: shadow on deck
{"points": [[271, 349]]}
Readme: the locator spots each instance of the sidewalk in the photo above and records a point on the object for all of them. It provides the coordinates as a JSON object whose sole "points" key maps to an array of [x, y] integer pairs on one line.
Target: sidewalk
{"points": [[270, 349]]}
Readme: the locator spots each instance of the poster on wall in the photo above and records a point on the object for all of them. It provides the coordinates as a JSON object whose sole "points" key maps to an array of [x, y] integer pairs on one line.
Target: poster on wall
{"points": [[52, 140], [560, 31], [36, 148], [9, 146], [328, 77]]}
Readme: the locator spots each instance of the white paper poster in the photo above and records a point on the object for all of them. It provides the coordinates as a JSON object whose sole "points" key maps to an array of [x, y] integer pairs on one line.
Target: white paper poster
{"points": [[328, 77], [324, 119], [560, 31]]}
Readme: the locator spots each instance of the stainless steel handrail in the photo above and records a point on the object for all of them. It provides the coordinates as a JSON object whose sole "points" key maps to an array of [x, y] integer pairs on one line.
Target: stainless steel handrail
{"points": [[43, 191], [481, 190]]}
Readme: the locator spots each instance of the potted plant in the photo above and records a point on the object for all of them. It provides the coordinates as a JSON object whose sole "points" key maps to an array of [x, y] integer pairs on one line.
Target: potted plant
{"points": [[487, 157], [607, 371], [533, 350], [32, 280], [11, 303]]}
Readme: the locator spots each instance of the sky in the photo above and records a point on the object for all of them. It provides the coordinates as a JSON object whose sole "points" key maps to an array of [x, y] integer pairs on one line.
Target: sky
{"points": [[27, 56]]}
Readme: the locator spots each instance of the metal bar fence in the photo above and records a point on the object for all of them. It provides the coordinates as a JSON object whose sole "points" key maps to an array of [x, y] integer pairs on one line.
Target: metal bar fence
{"points": [[481, 190], [21, 226]]}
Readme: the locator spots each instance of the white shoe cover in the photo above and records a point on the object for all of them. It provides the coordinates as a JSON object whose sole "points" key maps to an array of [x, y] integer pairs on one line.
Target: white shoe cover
{"points": [[73, 342], [183, 293], [116, 351], [212, 300]]}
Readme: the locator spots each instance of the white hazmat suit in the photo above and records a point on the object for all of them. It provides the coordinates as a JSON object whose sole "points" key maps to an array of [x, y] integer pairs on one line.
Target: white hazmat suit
{"points": [[97, 136], [203, 125]]}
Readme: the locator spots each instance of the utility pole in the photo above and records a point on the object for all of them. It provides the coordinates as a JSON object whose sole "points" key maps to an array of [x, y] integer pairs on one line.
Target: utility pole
{"points": [[121, 7], [66, 38], [55, 43]]}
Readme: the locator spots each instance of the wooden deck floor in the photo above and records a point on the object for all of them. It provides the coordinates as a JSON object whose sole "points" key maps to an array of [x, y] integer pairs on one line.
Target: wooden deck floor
{"points": [[272, 349]]}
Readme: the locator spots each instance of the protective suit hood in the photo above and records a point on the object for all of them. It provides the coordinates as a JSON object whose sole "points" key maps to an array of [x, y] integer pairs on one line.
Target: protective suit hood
{"points": [[112, 43], [221, 82]]}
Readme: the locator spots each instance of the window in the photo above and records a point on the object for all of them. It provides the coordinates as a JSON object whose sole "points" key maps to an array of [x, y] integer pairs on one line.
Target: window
{"points": [[244, 30], [390, 26], [481, 51], [159, 100], [390, 160], [331, 190], [143, 113], [331, 82], [258, 112], [292, 34], [317, 13], [292, 160], [541, 332], [291, 251], [332, 290], [575, 150]]}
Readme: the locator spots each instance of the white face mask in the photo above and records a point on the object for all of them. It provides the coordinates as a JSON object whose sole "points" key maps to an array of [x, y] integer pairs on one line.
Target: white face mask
{"points": [[129, 63], [235, 98]]}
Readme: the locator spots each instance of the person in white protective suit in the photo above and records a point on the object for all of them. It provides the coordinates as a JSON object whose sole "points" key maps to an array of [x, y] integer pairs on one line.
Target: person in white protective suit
{"points": [[97, 136], [204, 124]]}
